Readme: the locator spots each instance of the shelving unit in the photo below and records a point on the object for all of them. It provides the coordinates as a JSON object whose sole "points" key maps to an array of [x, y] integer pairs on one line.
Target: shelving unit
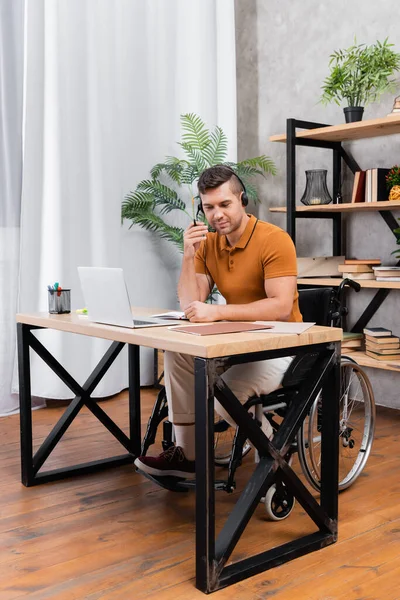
{"points": [[319, 135]]}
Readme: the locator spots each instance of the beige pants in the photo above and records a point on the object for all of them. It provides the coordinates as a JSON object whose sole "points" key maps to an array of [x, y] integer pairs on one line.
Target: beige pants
{"points": [[245, 380]]}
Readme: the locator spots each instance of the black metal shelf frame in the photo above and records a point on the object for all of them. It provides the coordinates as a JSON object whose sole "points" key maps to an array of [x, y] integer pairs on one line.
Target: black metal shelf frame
{"points": [[339, 153]]}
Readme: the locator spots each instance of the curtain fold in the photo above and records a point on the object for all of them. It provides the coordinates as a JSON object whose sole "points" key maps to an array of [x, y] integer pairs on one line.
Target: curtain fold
{"points": [[11, 94], [105, 85]]}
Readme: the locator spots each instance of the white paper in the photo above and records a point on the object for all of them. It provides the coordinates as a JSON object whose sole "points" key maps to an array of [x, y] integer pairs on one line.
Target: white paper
{"points": [[173, 314], [283, 327]]}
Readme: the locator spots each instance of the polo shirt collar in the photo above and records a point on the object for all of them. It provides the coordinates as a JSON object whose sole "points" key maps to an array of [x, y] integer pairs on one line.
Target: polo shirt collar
{"points": [[244, 238]]}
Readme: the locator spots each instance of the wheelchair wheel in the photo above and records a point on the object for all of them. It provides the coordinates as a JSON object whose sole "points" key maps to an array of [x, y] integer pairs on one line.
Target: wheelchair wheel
{"points": [[223, 442], [279, 502], [356, 428]]}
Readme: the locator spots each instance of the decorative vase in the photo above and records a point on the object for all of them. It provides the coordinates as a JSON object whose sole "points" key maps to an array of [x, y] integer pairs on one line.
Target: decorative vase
{"points": [[394, 193], [353, 113], [316, 191]]}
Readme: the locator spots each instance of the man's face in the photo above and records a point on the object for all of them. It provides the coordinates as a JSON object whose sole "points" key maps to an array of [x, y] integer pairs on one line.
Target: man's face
{"points": [[223, 209]]}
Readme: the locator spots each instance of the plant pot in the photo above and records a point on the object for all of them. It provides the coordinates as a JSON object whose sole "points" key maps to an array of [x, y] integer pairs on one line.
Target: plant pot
{"points": [[395, 193], [353, 113]]}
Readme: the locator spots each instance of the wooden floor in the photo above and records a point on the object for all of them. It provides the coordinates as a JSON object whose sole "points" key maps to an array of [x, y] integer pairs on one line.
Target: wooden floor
{"points": [[115, 535]]}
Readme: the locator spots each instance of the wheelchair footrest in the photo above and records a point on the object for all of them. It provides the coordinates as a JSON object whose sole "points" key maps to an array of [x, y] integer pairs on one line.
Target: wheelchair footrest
{"points": [[173, 484], [177, 484]]}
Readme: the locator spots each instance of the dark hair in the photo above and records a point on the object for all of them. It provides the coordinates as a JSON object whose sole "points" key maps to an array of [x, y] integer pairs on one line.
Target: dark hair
{"points": [[217, 175]]}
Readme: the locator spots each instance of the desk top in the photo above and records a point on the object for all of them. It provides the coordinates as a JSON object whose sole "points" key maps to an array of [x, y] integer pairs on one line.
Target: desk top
{"points": [[212, 346]]}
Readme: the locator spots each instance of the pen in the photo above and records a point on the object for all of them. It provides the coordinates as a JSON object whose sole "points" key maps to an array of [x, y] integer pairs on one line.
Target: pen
{"points": [[194, 218]]}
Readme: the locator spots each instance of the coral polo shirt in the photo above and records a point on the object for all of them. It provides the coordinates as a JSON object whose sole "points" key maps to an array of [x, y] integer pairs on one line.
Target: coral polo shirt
{"points": [[264, 251]]}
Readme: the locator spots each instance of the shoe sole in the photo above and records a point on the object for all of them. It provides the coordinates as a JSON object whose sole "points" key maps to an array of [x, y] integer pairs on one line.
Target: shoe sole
{"points": [[159, 473]]}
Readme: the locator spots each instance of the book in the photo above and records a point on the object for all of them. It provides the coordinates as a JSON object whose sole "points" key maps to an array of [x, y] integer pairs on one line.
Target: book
{"points": [[368, 186], [358, 193], [173, 314], [388, 278], [358, 276], [389, 271], [382, 346], [352, 335], [389, 339], [384, 351], [383, 356], [362, 261], [351, 343], [379, 192], [377, 331], [318, 266], [354, 268], [220, 327]]}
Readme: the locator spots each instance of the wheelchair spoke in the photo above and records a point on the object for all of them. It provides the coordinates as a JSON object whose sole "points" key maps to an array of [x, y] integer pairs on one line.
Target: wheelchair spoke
{"points": [[356, 428]]}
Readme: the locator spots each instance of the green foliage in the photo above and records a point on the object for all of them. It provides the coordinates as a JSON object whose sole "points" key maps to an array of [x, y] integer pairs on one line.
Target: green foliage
{"points": [[155, 197], [360, 74], [393, 177], [397, 234]]}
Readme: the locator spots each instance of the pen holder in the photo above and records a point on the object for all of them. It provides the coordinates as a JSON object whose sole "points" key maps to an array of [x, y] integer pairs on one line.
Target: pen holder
{"points": [[59, 301]]}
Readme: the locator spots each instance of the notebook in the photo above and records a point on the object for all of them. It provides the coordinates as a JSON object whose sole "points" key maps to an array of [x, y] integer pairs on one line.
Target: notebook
{"points": [[221, 327], [107, 300]]}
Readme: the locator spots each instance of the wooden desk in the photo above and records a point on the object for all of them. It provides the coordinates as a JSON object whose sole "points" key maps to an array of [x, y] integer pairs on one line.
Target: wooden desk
{"points": [[213, 355]]}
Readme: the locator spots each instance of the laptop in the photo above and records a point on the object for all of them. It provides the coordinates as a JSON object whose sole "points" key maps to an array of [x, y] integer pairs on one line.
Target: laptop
{"points": [[107, 300]]}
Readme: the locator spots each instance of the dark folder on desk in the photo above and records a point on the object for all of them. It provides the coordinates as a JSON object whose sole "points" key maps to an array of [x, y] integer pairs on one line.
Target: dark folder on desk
{"points": [[221, 327]]}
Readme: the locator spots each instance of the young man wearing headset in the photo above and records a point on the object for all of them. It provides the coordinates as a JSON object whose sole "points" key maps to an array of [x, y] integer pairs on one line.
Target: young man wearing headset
{"points": [[253, 264]]}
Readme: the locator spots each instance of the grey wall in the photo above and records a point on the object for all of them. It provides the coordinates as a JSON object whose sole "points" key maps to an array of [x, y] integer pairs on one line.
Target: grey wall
{"points": [[282, 54]]}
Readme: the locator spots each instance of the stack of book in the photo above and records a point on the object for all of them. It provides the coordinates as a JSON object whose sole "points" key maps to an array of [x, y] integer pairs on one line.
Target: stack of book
{"points": [[381, 344], [351, 342], [370, 186], [359, 268], [387, 273]]}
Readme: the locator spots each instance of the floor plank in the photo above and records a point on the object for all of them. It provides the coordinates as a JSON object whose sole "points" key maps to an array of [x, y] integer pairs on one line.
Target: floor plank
{"points": [[115, 536]]}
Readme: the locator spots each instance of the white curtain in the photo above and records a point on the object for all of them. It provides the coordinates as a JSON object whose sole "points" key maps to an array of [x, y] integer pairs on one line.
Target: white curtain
{"points": [[105, 84], [11, 87]]}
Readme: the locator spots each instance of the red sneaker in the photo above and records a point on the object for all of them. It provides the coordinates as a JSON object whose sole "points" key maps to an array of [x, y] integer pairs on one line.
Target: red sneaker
{"points": [[172, 462]]}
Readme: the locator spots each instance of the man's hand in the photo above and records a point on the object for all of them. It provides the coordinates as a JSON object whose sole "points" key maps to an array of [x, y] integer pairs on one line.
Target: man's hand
{"points": [[199, 312], [192, 237]]}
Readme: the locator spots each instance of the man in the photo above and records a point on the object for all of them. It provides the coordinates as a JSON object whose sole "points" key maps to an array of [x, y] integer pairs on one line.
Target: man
{"points": [[253, 265]]}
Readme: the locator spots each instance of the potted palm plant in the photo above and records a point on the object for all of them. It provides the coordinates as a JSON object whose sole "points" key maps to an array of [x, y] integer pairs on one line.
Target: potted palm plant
{"points": [[359, 75], [172, 183]]}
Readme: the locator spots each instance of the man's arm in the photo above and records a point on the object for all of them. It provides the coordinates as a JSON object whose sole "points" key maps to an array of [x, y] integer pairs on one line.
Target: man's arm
{"points": [[276, 307], [191, 286]]}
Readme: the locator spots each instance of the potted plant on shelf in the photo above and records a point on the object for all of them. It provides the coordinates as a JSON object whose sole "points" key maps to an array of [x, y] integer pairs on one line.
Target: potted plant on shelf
{"points": [[155, 197], [359, 75], [393, 183]]}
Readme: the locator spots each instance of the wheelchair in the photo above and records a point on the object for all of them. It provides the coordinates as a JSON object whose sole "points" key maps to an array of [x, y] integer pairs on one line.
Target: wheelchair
{"points": [[324, 306]]}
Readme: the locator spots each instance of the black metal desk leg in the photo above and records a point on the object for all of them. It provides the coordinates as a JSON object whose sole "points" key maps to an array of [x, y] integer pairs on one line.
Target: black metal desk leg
{"points": [[206, 578], [330, 440], [134, 398], [24, 372]]}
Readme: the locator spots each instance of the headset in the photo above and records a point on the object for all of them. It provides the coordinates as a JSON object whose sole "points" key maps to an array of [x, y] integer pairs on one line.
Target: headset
{"points": [[245, 198]]}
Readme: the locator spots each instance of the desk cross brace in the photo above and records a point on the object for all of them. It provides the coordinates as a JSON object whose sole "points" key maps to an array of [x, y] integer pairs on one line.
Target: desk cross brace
{"points": [[213, 554], [32, 463]]}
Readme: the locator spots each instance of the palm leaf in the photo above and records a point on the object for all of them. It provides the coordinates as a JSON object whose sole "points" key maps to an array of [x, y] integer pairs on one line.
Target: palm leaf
{"points": [[215, 152], [196, 133], [190, 174], [264, 163], [195, 156], [172, 166], [135, 202], [154, 223], [161, 193], [251, 191]]}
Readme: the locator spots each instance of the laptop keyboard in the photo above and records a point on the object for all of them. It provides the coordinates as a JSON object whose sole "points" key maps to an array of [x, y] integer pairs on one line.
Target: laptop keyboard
{"points": [[137, 322]]}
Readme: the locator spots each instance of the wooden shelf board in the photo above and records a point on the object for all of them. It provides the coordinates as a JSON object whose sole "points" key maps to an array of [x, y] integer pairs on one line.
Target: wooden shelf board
{"points": [[345, 207], [348, 131], [336, 281], [366, 361]]}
